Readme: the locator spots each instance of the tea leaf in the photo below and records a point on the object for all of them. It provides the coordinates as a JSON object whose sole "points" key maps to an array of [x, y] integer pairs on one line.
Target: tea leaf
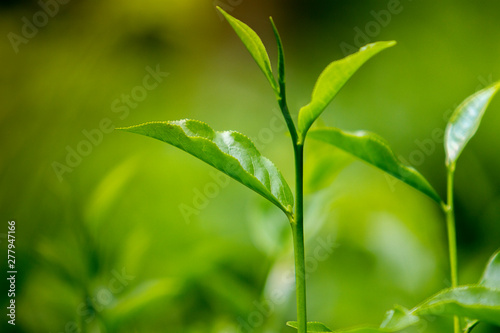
{"points": [[477, 303], [465, 121], [398, 319], [374, 150], [474, 302], [281, 59], [490, 279], [364, 329], [491, 275], [254, 45], [312, 326], [230, 152], [331, 80]]}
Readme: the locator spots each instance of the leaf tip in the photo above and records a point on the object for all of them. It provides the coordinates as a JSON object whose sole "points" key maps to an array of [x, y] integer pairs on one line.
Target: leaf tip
{"points": [[380, 45], [222, 11]]}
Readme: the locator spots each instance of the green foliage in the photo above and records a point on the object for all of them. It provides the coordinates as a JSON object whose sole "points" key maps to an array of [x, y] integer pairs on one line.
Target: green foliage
{"points": [[474, 302], [491, 275], [230, 152], [235, 155], [461, 127], [281, 59], [465, 121], [254, 45], [398, 318], [312, 326], [480, 302], [374, 150], [331, 80]]}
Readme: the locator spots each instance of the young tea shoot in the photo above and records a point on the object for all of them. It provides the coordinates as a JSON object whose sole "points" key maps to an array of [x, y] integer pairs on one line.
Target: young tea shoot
{"points": [[235, 155]]}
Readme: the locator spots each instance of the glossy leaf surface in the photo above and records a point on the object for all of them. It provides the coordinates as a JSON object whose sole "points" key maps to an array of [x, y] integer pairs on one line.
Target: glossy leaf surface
{"points": [[312, 326], [374, 150], [230, 152], [465, 121], [474, 302], [254, 45], [490, 279], [332, 79], [491, 275]]}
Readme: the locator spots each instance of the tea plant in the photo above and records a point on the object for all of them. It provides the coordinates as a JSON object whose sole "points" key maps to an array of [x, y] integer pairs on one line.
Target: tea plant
{"points": [[235, 155]]}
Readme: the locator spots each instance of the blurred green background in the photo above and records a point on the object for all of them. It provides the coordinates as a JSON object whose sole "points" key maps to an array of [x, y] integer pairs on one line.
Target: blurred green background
{"points": [[121, 233]]}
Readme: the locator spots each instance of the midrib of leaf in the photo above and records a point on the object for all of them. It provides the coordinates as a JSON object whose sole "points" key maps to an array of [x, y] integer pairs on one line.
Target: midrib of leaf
{"points": [[222, 142]]}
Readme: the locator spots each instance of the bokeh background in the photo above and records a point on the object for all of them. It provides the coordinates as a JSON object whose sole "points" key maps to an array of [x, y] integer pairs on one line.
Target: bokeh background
{"points": [[121, 233]]}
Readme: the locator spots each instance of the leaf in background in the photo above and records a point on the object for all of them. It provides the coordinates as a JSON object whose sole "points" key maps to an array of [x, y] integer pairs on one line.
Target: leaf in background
{"points": [[398, 319], [374, 150], [141, 297], [312, 326], [331, 80], [230, 152], [107, 191], [465, 121], [474, 302], [254, 45], [491, 275]]}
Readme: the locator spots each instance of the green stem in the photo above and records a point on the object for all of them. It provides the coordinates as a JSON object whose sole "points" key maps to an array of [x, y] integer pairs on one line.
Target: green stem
{"points": [[297, 220], [288, 118], [452, 237], [298, 241]]}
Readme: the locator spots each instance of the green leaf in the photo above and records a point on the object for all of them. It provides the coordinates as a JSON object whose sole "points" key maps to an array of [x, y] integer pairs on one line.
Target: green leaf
{"points": [[474, 302], [363, 329], [491, 275], [465, 121], [254, 45], [395, 320], [230, 152], [374, 150], [490, 279], [312, 326], [281, 59], [331, 80], [398, 319]]}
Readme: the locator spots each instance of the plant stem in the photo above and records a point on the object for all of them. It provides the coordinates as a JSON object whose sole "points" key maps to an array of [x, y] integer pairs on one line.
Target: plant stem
{"points": [[298, 240], [288, 118], [452, 237], [297, 221]]}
